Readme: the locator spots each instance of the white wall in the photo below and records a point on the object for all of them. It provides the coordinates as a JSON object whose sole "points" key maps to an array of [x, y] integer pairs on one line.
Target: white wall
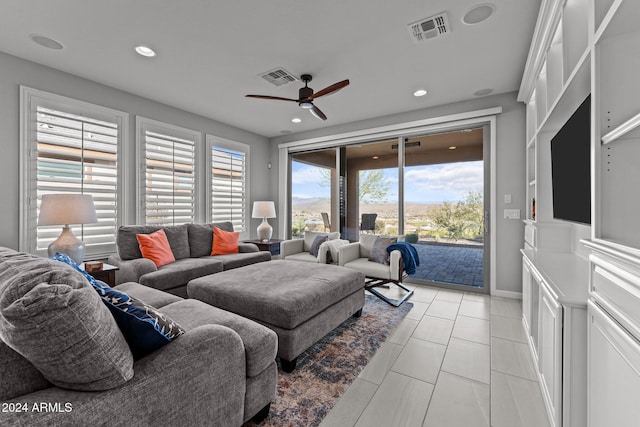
{"points": [[510, 159], [15, 72]]}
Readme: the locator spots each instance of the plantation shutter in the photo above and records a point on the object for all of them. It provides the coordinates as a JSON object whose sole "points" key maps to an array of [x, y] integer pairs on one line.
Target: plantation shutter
{"points": [[76, 154], [229, 187], [169, 179]]}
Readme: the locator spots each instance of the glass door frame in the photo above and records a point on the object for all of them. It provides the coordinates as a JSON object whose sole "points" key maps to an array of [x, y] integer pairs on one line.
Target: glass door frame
{"points": [[486, 117]]}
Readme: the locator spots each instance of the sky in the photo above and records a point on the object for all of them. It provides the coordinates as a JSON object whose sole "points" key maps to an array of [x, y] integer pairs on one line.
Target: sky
{"points": [[423, 184]]}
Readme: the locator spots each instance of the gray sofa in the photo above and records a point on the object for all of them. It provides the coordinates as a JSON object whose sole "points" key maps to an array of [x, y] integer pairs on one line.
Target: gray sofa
{"points": [[191, 246], [220, 372]]}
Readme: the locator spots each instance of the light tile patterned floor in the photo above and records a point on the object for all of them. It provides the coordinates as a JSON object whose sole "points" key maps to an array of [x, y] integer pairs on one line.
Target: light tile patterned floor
{"points": [[457, 359]]}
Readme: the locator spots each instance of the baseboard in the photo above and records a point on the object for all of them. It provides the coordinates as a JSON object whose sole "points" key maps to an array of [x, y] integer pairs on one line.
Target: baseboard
{"points": [[507, 294]]}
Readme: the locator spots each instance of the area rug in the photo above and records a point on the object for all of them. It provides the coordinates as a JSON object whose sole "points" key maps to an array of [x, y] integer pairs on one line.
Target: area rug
{"points": [[327, 369]]}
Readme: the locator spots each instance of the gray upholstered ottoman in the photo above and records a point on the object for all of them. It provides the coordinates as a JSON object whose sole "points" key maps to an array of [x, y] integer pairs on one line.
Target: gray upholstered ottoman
{"points": [[300, 301]]}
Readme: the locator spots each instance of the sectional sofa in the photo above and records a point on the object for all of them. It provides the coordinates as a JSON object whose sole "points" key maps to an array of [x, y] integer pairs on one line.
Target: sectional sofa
{"points": [[191, 246], [64, 361]]}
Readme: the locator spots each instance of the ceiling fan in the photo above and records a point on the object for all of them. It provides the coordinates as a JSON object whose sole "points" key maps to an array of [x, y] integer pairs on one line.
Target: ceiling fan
{"points": [[306, 95]]}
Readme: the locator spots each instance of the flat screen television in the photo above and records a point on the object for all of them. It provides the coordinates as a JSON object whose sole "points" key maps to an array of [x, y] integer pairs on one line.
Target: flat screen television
{"points": [[571, 167]]}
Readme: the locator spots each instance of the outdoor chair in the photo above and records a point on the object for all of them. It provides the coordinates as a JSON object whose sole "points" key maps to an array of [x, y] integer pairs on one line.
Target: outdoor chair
{"points": [[325, 220], [368, 222], [356, 256]]}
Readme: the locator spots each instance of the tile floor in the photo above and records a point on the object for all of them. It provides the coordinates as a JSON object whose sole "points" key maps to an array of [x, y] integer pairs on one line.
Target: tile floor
{"points": [[457, 359]]}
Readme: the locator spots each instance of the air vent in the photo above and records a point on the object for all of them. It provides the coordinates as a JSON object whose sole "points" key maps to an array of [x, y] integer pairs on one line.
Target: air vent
{"points": [[278, 77], [429, 28]]}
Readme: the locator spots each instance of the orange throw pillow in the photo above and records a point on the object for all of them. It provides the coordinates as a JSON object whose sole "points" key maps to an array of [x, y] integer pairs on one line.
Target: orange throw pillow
{"points": [[224, 242], [155, 247]]}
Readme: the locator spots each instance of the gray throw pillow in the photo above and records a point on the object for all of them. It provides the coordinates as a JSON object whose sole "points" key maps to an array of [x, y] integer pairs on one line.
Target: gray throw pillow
{"points": [[379, 250], [52, 317], [315, 246]]}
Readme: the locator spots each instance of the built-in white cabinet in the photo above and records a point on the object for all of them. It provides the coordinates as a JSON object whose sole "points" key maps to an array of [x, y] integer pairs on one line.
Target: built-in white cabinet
{"points": [[550, 352], [583, 47], [554, 305], [614, 372]]}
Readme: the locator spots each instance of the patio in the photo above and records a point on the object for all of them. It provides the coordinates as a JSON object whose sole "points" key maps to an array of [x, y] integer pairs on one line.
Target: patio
{"points": [[450, 263]]}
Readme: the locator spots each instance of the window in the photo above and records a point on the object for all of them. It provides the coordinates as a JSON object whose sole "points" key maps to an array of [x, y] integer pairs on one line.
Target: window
{"points": [[69, 146], [168, 173], [229, 176]]}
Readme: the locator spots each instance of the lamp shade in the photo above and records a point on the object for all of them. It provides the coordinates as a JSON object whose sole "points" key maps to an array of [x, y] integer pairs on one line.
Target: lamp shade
{"points": [[63, 209], [264, 209]]}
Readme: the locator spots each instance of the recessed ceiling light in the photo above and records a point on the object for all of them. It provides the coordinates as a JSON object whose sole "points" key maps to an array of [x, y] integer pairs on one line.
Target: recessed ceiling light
{"points": [[375, 157], [296, 120], [145, 51], [420, 92], [285, 132], [479, 13], [47, 42], [453, 147], [482, 92]]}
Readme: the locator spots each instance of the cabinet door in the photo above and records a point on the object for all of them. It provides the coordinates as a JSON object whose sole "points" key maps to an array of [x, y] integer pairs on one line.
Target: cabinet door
{"points": [[550, 353], [613, 373], [526, 296]]}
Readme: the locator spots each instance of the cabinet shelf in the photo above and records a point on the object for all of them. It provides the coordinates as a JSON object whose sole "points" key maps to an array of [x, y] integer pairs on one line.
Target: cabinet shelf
{"points": [[622, 130]]}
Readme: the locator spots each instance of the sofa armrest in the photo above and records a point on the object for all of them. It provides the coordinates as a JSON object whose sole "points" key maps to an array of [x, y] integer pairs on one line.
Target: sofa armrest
{"points": [[290, 247], [348, 253], [247, 247], [395, 265], [131, 270], [199, 379]]}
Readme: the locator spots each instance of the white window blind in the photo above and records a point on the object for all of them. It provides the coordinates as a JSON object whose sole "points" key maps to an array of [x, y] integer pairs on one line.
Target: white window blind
{"points": [[229, 198], [70, 147], [169, 175]]}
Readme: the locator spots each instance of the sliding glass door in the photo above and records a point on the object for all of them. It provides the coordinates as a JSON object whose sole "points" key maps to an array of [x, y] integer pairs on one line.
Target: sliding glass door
{"points": [[429, 187]]}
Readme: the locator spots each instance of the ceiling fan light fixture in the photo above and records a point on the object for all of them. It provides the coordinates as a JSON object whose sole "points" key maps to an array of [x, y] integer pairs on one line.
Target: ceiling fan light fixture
{"points": [[306, 104], [145, 51]]}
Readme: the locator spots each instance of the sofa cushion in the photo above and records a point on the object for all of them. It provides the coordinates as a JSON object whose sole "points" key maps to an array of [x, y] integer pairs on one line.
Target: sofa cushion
{"points": [[151, 296], [201, 237], [379, 252], [260, 342], [180, 272], [302, 256], [155, 246], [128, 247], [224, 242], [366, 244], [52, 316]]}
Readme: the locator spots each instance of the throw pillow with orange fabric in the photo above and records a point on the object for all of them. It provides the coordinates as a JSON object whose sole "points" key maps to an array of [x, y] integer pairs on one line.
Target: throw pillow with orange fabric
{"points": [[155, 247], [224, 242]]}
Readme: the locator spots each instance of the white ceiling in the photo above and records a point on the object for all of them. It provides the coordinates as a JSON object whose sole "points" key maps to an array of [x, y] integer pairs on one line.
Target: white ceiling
{"points": [[210, 53]]}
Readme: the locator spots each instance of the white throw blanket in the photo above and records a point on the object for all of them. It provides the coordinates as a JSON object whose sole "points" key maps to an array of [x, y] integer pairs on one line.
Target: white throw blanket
{"points": [[333, 246]]}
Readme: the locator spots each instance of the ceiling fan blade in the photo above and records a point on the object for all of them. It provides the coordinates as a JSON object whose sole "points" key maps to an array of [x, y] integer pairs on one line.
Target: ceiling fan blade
{"points": [[317, 113], [330, 89], [277, 98]]}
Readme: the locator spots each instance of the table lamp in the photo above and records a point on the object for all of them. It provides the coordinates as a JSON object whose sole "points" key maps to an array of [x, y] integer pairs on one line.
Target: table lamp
{"points": [[65, 209], [264, 210]]}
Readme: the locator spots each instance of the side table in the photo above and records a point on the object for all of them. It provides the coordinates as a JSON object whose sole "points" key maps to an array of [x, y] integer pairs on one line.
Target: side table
{"points": [[107, 274], [272, 245]]}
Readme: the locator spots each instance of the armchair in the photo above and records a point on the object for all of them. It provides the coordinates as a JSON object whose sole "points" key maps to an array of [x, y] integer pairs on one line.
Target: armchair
{"points": [[356, 256], [298, 249]]}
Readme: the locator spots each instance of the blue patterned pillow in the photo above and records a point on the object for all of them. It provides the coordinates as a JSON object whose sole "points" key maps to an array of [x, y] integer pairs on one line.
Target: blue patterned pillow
{"points": [[144, 327]]}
